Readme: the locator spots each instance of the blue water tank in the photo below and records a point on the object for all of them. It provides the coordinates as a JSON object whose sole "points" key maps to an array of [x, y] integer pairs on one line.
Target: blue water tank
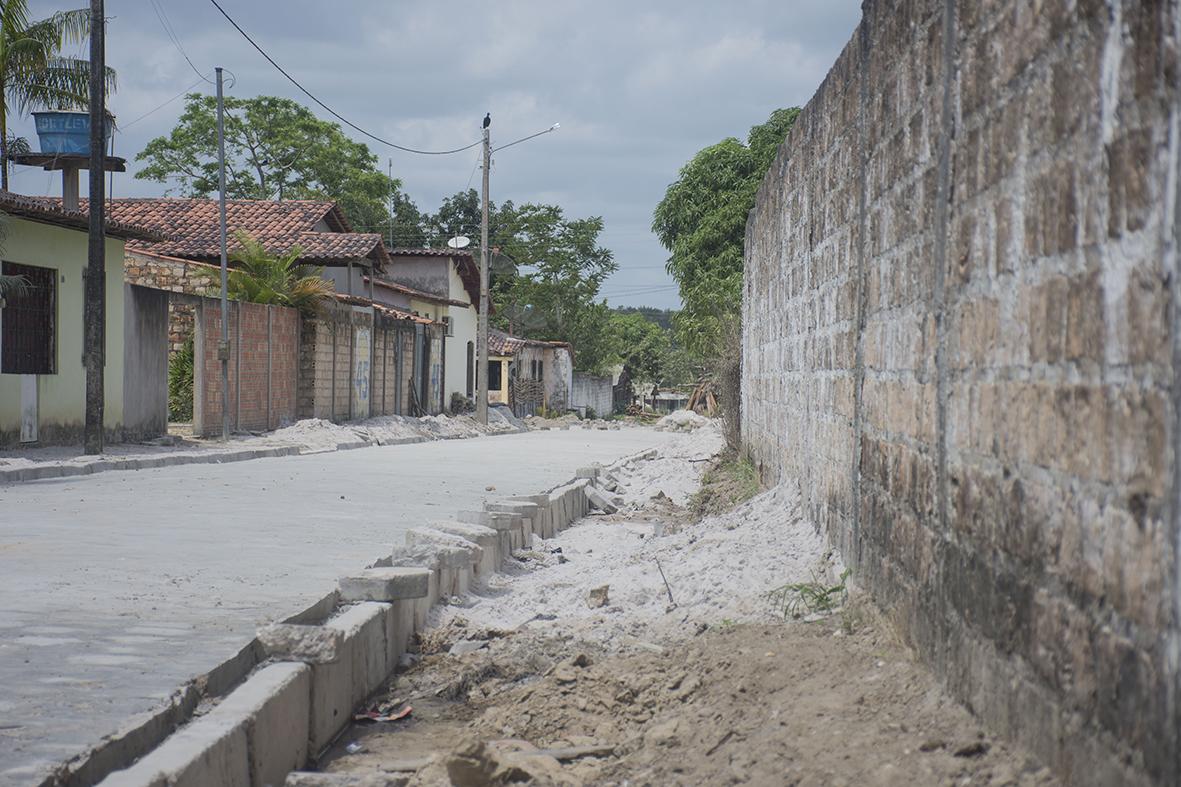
{"points": [[62, 131]]}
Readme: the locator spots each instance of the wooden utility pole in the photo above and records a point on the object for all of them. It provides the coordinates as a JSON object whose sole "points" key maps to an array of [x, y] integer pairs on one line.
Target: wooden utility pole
{"points": [[482, 328], [94, 309]]}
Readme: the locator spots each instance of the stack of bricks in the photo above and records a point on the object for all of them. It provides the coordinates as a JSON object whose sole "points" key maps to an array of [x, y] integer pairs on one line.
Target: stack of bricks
{"points": [[960, 320]]}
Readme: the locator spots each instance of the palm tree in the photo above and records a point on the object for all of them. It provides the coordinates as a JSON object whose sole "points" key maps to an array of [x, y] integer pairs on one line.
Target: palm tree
{"points": [[33, 72], [10, 286], [262, 277]]}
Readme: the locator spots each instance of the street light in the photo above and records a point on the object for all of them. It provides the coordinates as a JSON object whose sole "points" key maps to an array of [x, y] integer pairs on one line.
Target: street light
{"points": [[482, 325]]}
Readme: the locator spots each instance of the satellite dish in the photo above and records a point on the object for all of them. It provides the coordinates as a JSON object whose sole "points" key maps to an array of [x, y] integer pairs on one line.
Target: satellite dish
{"points": [[459, 242]]}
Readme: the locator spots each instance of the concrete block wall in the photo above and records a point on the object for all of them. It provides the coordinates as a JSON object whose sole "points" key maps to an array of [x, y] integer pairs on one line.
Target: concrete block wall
{"points": [[263, 366], [960, 336], [593, 392], [290, 710]]}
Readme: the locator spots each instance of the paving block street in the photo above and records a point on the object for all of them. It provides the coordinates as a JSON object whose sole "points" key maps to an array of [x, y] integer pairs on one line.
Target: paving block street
{"points": [[116, 588]]}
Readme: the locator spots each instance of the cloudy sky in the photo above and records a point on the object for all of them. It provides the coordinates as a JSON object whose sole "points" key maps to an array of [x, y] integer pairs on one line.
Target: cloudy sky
{"points": [[638, 87]]}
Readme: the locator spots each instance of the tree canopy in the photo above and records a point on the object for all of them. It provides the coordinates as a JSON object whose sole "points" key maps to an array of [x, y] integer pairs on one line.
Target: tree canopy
{"points": [[702, 223], [276, 149]]}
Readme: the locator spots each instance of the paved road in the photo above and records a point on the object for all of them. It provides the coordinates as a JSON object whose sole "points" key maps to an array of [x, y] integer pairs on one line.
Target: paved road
{"points": [[117, 588]]}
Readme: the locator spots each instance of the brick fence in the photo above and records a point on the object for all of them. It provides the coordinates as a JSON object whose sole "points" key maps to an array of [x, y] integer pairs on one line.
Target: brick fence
{"points": [[960, 337], [264, 355]]}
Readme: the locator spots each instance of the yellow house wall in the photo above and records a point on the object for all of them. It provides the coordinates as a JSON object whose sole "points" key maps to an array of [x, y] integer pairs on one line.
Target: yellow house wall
{"points": [[62, 396], [500, 395]]}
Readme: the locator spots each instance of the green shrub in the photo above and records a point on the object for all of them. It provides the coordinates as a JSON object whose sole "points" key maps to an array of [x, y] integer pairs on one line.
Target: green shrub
{"points": [[180, 384]]}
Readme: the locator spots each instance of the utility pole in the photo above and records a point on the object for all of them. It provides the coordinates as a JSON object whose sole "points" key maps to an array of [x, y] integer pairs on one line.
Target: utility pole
{"points": [[223, 347], [94, 310], [482, 326]]}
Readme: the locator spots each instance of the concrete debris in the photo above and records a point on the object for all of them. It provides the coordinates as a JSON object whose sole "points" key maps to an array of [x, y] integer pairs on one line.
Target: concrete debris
{"points": [[305, 779], [465, 646], [599, 500], [310, 644], [598, 597], [480, 764], [682, 421]]}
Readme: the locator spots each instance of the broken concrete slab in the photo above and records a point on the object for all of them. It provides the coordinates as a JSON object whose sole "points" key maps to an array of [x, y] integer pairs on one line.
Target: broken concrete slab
{"points": [[386, 584], [591, 472], [599, 500], [485, 537], [293, 642]]}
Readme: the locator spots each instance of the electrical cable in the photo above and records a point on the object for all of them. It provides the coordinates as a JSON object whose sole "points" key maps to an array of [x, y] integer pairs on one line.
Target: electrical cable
{"points": [[162, 15], [126, 126], [329, 109]]}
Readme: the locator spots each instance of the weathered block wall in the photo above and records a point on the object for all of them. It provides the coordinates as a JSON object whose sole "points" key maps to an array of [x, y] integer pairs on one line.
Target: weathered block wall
{"points": [[960, 333], [173, 275], [349, 365], [593, 392], [263, 363]]}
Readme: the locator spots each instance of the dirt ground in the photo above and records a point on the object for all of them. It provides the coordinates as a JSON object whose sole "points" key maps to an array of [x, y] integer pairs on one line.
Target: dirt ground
{"points": [[833, 702], [571, 696]]}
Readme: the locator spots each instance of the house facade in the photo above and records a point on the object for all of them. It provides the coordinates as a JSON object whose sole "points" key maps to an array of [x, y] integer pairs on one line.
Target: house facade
{"points": [[447, 287], [529, 374], [365, 353], [42, 379]]}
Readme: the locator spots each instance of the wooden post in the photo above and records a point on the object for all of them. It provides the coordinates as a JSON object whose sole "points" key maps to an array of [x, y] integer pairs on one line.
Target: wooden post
{"points": [[94, 309]]}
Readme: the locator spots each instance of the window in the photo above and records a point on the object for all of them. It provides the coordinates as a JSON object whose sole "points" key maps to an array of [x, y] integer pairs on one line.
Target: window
{"points": [[27, 342], [448, 328], [494, 376]]}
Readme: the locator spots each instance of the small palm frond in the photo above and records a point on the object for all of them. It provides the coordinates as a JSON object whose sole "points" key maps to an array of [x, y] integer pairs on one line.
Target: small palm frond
{"points": [[13, 286]]}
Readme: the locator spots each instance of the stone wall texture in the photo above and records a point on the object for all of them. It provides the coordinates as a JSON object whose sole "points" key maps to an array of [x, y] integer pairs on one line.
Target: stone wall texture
{"points": [[961, 340]]}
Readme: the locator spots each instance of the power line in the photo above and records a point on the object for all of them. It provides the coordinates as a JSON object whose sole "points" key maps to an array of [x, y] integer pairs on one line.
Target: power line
{"points": [[329, 109], [126, 126], [162, 15]]}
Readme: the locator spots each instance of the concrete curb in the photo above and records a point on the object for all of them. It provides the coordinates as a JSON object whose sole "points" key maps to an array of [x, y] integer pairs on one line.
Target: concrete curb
{"points": [[287, 712], [50, 471]]}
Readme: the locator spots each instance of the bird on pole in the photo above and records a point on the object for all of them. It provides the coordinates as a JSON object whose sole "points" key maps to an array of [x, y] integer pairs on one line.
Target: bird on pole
{"points": [[487, 119]]}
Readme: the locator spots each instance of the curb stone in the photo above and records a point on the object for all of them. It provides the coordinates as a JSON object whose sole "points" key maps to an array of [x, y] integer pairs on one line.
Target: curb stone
{"points": [[288, 712]]}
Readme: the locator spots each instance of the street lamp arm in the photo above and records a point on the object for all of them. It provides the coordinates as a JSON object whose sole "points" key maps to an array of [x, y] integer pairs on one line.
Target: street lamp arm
{"points": [[554, 127]]}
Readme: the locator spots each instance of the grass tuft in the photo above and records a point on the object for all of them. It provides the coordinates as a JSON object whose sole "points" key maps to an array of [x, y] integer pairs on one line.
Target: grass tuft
{"points": [[809, 598]]}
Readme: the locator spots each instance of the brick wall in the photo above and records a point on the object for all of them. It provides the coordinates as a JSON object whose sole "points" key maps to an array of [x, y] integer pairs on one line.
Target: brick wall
{"points": [[264, 356], [960, 326]]}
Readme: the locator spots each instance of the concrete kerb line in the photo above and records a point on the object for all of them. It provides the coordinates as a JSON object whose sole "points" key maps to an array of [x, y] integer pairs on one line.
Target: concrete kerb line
{"points": [[50, 471], [286, 711]]}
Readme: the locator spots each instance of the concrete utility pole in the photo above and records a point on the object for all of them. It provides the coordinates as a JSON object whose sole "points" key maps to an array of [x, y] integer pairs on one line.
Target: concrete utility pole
{"points": [[223, 347], [482, 327], [94, 310]]}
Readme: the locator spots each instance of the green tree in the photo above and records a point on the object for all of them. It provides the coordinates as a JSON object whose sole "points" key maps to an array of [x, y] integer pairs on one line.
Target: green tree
{"points": [[261, 277], [702, 222], [275, 149], [642, 346], [550, 290], [33, 73]]}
